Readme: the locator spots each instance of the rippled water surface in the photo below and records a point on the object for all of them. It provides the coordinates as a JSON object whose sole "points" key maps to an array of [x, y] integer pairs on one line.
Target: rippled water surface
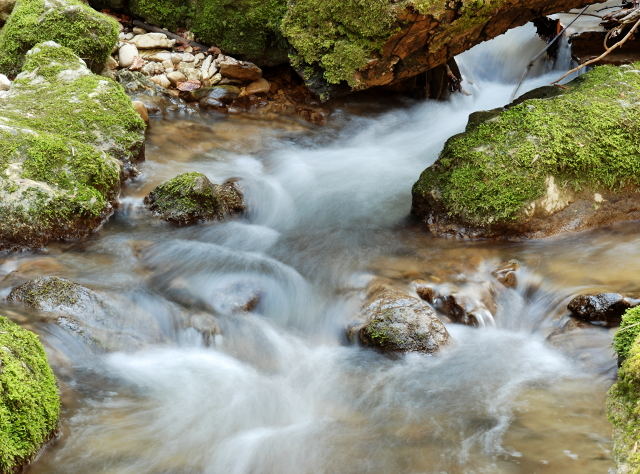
{"points": [[280, 391]]}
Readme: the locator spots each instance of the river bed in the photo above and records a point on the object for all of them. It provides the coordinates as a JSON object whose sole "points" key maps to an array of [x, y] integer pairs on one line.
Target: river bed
{"points": [[281, 390]]}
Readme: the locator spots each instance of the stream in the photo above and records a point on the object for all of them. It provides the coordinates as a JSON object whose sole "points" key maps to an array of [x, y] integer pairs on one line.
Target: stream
{"points": [[281, 390]]}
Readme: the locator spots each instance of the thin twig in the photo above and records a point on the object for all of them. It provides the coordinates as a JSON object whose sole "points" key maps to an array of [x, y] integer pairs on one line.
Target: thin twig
{"points": [[602, 56], [537, 56]]}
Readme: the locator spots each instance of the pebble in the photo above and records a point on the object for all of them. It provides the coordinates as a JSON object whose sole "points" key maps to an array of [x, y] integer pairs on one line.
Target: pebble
{"points": [[176, 77], [138, 31], [126, 54], [206, 65], [152, 69], [111, 63], [162, 80], [153, 41]]}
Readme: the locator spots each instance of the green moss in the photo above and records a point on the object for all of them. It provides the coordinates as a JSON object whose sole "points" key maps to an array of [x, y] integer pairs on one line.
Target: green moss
{"points": [[29, 400], [185, 199], [47, 291], [628, 332], [586, 138], [340, 36], [623, 407], [171, 14], [71, 23], [246, 28], [62, 131], [88, 108]]}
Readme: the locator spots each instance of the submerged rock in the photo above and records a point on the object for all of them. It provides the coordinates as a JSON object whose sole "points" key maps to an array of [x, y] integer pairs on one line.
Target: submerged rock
{"points": [[190, 198], [71, 23], [65, 137], [29, 399], [397, 322], [92, 318], [603, 308], [565, 162]]}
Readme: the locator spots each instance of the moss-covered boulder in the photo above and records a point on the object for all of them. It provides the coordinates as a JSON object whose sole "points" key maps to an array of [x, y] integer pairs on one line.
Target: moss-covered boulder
{"points": [[191, 197], [565, 161], [29, 400], [66, 135], [71, 23], [394, 321], [624, 396]]}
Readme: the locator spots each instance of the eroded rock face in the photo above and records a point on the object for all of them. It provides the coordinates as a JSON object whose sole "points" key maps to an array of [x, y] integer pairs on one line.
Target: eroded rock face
{"points": [[66, 135], [397, 322], [191, 198], [71, 23], [29, 400], [533, 169], [603, 308]]}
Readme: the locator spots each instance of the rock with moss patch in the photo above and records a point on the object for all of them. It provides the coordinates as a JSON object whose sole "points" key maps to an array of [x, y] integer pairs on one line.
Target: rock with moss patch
{"points": [[543, 165], [71, 23], [397, 322], [92, 317], [66, 136], [29, 400], [191, 198], [623, 403]]}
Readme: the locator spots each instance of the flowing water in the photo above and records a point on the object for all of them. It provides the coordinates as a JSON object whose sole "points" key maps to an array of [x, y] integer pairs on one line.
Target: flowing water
{"points": [[281, 390]]}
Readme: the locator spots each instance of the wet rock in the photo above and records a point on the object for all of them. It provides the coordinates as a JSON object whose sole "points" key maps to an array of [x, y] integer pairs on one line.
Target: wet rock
{"points": [[397, 322], [29, 399], [191, 198], [70, 137], [602, 309], [95, 319], [241, 70], [261, 86], [71, 23], [458, 306], [507, 274], [152, 41], [141, 109], [217, 97], [135, 83], [510, 177], [126, 54]]}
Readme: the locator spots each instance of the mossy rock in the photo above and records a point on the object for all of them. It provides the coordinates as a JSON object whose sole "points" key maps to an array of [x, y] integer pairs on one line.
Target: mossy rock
{"points": [[71, 23], [66, 135], [624, 396], [564, 161], [191, 198], [397, 322], [29, 399]]}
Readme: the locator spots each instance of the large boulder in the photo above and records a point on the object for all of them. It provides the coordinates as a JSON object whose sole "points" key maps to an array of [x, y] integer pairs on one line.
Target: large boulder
{"points": [[556, 160], [623, 403], [66, 135], [342, 45], [29, 400], [394, 321], [191, 198], [71, 23]]}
